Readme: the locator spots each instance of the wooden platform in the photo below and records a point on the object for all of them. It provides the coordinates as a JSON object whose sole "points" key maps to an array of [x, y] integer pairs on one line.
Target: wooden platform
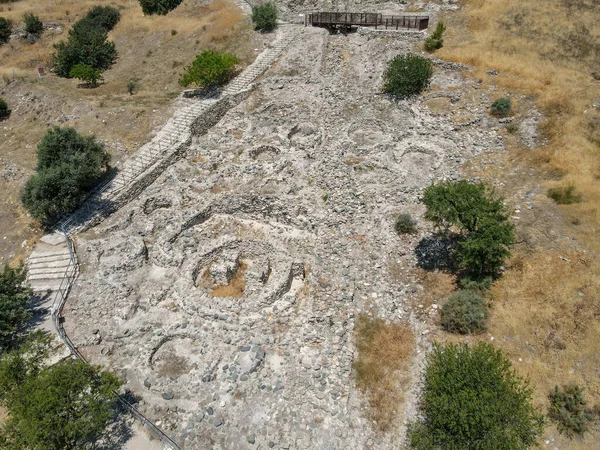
{"points": [[347, 20]]}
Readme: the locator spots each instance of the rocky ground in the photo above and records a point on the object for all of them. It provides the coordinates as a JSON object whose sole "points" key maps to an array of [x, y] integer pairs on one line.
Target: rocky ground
{"points": [[226, 293]]}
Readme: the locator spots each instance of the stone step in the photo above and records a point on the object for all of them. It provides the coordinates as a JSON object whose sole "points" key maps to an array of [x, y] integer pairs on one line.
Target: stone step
{"points": [[50, 275], [50, 265], [43, 286], [50, 261], [47, 270]]}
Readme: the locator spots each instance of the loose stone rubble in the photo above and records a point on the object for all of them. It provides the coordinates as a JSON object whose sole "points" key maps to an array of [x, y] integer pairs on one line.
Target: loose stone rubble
{"points": [[286, 206]]}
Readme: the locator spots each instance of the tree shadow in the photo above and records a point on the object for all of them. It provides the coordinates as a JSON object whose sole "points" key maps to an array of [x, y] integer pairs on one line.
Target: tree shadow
{"points": [[116, 434], [436, 252]]}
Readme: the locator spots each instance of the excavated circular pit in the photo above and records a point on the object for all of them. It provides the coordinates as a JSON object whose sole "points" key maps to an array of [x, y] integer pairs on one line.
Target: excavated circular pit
{"points": [[177, 356]]}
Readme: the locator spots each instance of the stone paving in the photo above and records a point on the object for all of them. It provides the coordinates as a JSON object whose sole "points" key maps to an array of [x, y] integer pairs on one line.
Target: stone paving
{"points": [[226, 293]]}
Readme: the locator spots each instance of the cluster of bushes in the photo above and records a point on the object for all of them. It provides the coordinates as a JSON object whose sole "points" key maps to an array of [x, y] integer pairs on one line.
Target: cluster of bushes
{"points": [[161, 7], [473, 399], [210, 68], [407, 75], [69, 166], [436, 40], [4, 111], [87, 42], [5, 30], [264, 17]]}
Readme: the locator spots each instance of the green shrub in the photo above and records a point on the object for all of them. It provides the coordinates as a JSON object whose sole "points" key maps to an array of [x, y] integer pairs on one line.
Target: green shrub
{"points": [[86, 73], [405, 224], [5, 30], [210, 68], [4, 111], [568, 409], [69, 166], [501, 107], [265, 17], [87, 42], [565, 195], [407, 75], [160, 7], [480, 285], [132, 85], [473, 399], [465, 312], [436, 40], [484, 232], [33, 24]]}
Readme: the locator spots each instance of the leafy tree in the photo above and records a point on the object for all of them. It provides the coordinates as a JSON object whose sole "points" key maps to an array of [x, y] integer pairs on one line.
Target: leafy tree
{"points": [[473, 400], [23, 361], [264, 16], [568, 408], [160, 7], [436, 40], [4, 111], [86, 73], [464, 312], [87, 43], [482, 221], [104, 16], [65, 145], [14, 296], [64, 406], [69, 166], [33, 24], [5, 30], [210, 68], [407, 75], [483, 251]]}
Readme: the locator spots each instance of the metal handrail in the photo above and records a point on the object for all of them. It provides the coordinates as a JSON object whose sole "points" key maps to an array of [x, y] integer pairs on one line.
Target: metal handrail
{"points": [[56, 311]]}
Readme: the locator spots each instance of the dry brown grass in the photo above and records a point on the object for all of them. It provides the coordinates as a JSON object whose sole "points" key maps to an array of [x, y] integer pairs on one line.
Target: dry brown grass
{"points": [[381, 365]]}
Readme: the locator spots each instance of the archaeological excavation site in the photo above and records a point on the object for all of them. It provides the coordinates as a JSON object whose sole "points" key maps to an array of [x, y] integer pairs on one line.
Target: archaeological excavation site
{"points": [[367, 231]]}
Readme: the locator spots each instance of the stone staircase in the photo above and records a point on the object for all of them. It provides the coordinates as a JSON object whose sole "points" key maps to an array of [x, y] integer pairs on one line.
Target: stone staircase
{"points": [[287, 33], [49, 264]]}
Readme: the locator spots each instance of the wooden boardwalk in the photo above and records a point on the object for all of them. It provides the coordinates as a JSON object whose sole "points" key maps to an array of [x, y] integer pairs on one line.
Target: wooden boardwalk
{"points": [[347, 20]]}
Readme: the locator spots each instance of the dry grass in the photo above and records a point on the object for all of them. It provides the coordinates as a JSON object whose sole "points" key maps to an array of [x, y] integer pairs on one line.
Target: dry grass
{"points": [[384, 354], [549, 50], [236, 286], [546, 309]]}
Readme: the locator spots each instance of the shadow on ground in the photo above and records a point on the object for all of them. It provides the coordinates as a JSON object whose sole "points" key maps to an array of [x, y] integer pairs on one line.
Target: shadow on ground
{"points": [[435, 252]]}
